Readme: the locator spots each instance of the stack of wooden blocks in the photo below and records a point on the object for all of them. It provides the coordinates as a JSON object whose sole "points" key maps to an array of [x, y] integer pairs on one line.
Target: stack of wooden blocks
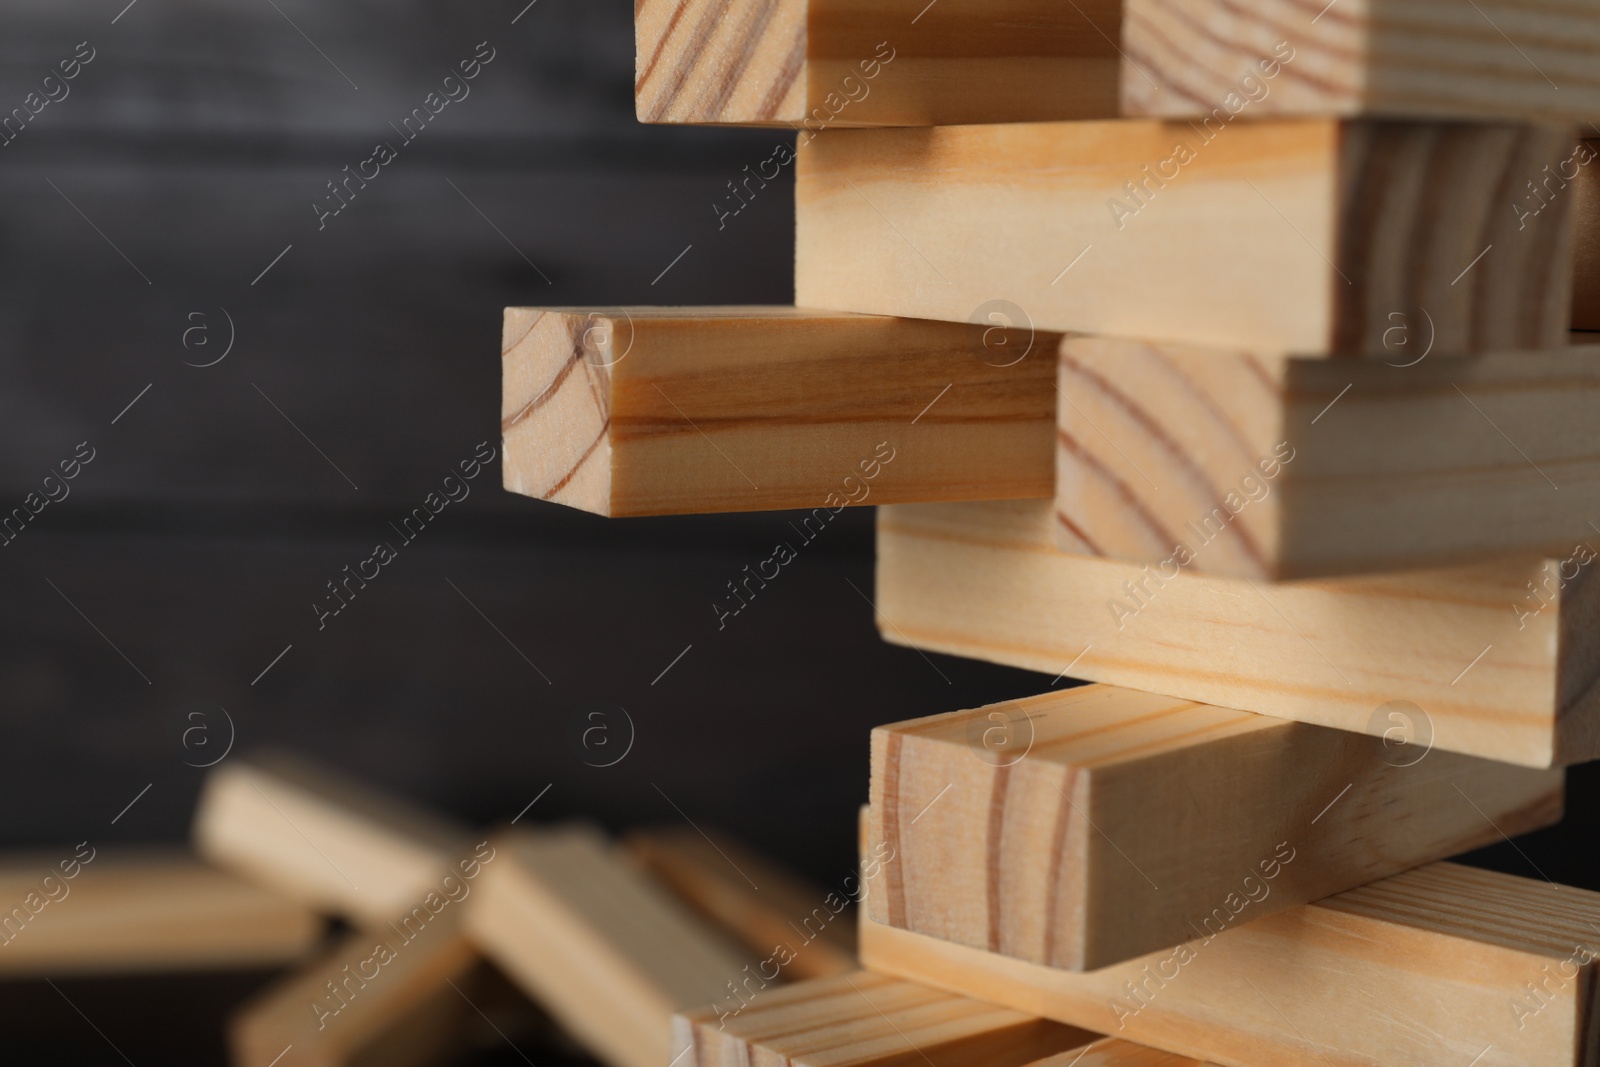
{"points": [[1215, 352]]}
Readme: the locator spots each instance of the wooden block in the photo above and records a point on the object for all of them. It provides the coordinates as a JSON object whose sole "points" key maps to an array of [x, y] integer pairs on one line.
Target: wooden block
{"points": [[761, 905], [655, 411], [80, 911], [1430, 968], [1441, 656], [321, 839], [877, 63], [1183, 58], [376, 998], [857, 1019], [610, 954], [1289, 235], [1270, 466], [1585, 195], [1083, 828]]}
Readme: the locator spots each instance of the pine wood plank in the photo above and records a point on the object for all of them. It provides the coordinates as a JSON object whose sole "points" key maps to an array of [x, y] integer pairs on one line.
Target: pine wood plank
{"points": [[1432, 968], [82, 910], [654, 411], [821, 63], [985, 580], [610, 954], [1285, 235], [1183, 58], [334, 844], [1270, 466], [1083, 828], [778, 909]]}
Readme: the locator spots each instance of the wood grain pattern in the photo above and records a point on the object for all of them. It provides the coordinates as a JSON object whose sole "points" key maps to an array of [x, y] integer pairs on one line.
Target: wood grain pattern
{"points": [[1083, 828], [610, 954], [819, 63], [760, 904], [985, 580], [653, 411], [1430, 968], [1266, 466], [139, 911], [1585, 193], [337, 845], [1288, 235], [1503, 59]]}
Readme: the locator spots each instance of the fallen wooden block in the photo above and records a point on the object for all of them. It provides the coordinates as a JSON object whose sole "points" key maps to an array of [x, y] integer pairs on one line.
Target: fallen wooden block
{"points": [[1213, 59], [655, 411], [1291, 235], [1245, 465], [762, 906], [1083, 828], [321, 839], [821, 63], [1440, 967], [82, 911], [606, 951], [388, 996], [1463, 659]]}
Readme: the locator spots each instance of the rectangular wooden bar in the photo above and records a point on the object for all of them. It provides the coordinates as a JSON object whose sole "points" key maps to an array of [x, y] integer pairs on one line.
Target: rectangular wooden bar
{"points": [[1455, 655], [1083, 828], [1299, 235], [1585, 193], [1265, 466], [1443, 966], [609, 953], [656, 411], [85, 911], [821, 63], [1508, 59]]}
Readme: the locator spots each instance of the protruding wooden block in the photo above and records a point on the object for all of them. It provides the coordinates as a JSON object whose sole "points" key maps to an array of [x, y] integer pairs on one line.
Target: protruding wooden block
{"points": [[655, 411], [1197, 58], [1265, 466], [1454, 658], [1585, 193], [1083, 828], [80, 910], [1287, 235], [605, 950], [821, 63], [762, 905], [321, 839]]}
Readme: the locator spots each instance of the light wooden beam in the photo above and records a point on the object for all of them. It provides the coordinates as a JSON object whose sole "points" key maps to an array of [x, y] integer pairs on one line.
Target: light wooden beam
{"points": [[1083, 828], [1443, 653], [654, 411], [821, 63], [1289, 235], [609, 953], [1439, 967], [1266, 466], [1189, 58], [760, 904], [79, 910], [334, 844]]}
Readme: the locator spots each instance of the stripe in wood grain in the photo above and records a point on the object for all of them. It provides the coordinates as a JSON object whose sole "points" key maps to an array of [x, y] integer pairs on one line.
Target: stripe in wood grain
{"points": [[572, 472], [994, 840], [1057, 868], [1095, 465], [754, 25], [793, 64], [661, 42], [893, 882]]}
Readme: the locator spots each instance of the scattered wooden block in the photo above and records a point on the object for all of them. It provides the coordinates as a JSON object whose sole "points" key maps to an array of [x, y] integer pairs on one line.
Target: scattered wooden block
{"points": [[1083, 828], [821, 63], [321, 839], [1196, 58], [655, 411], [1270, 466], [1463, 659], [1291, 235], [763, 906], [377, 997], [1429, 968], [606, 951], [80, 911]]}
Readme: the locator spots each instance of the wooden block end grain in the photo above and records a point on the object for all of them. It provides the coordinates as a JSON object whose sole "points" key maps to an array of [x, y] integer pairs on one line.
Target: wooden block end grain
{"points": [[1082, 828]]}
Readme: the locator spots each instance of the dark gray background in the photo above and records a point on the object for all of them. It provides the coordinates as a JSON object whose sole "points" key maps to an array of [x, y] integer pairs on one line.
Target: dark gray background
{"points": [[190, 550]]}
